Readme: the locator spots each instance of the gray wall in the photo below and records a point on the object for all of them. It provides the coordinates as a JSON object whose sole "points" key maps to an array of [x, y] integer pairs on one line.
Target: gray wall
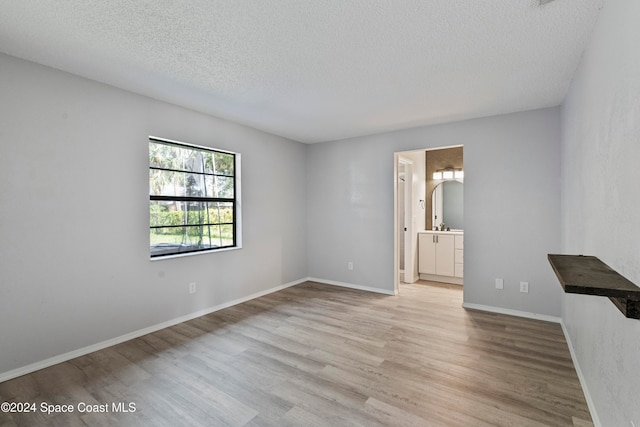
{"points": [[74, 267], [74, 242], [511, 206], [601, 205], [74, 152]]}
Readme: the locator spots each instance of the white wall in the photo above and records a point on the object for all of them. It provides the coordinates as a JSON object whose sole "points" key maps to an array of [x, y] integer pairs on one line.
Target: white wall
{"points": [[601, 205], [511, 206], [74, 248]]}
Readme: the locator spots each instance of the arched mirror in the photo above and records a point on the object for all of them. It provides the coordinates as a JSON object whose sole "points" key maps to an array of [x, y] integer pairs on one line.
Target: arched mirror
{"points": [[446, 205]]}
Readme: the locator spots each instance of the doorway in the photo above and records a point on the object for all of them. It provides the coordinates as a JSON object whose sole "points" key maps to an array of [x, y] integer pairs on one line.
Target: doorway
{"points": [[414, 185], [408, 216]]}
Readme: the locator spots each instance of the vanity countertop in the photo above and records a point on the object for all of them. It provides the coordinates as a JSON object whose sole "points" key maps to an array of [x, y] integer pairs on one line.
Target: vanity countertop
{"points": [[460, 232]]}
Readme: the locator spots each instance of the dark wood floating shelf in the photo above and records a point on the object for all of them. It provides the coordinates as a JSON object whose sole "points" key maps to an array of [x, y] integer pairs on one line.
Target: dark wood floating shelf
{"points": [[588, 275]]}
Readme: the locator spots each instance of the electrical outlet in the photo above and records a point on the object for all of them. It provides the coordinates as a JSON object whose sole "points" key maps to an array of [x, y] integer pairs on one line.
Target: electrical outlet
{"points": [[499, 284], [350, 265], [524, 287], [192, 287]]}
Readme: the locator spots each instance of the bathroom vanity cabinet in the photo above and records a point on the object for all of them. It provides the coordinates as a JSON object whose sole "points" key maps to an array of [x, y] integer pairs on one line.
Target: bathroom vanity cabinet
{"points": [[440, 256]]}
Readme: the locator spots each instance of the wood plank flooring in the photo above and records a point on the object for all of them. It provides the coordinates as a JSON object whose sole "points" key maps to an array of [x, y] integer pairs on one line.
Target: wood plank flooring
{"points": [[319, 355]]}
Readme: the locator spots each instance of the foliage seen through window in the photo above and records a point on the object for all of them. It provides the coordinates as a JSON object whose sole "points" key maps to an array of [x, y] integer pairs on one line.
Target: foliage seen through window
{"points": [[192, 200]]}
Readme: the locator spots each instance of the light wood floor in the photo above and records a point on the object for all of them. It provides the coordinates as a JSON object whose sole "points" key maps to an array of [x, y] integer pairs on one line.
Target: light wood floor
{"points": [[322, 355]]}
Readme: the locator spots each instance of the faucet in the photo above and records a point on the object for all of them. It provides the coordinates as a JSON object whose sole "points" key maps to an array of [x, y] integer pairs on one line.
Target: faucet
{"points": [[442, 226]]}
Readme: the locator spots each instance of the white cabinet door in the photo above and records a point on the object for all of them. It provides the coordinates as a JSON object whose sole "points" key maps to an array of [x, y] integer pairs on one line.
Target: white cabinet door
{"points": [[436, 254], [427, 253], [445, 251]]}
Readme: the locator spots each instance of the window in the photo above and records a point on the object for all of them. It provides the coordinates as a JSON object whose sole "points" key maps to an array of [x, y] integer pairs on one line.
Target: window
{"points": [[193, 198]]}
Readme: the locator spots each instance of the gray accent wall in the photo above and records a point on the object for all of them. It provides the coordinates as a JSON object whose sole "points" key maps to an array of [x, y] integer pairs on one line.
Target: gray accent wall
{"points": [[601, 206], [511, 206], [74, 216]]}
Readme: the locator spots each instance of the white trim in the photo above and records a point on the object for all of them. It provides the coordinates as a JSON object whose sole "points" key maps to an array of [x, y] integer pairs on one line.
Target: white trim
{"points": [[188, 144], [237, 197], [583, 382], [442, 279], [5, 376], [14, 373], [351, 286], [407, 208], [186, 254], [510, 312], [396, 249], [238, 194]]}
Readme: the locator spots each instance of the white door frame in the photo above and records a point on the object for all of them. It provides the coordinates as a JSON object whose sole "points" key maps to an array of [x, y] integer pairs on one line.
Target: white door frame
{"points": [[408, 215]]}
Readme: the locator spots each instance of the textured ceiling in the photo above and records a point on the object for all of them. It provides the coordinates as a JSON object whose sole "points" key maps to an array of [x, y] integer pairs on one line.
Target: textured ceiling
{"points": [[315, 70]]}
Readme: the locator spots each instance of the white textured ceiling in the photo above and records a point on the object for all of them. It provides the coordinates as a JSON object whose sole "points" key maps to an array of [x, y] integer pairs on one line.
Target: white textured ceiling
{"points": [[315, 70]]}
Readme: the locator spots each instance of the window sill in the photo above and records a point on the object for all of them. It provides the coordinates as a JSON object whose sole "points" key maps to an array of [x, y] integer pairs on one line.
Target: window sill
{"points": [[163, 257]]}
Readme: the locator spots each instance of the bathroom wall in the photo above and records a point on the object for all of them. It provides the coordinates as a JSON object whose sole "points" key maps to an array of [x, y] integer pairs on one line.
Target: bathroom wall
{"points": [[435, 160]]}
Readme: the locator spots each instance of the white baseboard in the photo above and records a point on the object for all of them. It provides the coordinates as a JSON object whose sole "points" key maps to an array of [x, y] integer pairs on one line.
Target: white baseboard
{"points": [[510, 312], [441, 279], [351, 286], [5, 376], [583, 382]]}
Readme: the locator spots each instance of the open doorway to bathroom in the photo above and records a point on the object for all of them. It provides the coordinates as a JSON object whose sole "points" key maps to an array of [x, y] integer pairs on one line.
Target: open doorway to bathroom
{"points": [[428, 216]]}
